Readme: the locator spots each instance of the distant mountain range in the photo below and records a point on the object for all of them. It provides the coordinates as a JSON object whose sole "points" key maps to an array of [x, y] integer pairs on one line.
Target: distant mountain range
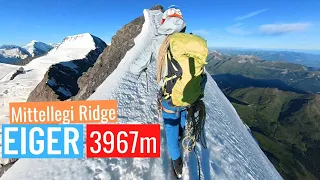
{"points": [[307, 58], [292, 75], [12, 54]]}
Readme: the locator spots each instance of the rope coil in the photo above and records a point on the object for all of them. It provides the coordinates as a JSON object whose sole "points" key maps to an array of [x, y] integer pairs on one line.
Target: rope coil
{"points": [[194, 126], [194, 130]]}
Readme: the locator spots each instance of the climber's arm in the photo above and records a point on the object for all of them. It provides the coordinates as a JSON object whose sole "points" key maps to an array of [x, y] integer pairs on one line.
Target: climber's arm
{"points": [[140, 65]]}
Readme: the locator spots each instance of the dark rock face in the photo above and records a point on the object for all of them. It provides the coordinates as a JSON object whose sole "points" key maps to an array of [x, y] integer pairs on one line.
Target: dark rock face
{"points": [[60, 81], [19, 71], [108, 61], [157, 7]]}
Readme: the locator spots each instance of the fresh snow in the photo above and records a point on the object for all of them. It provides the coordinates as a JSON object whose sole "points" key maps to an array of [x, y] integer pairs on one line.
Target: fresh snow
{"points": [[7, 70], [232, 152], [37, 48], [54, 44], [72, 44], [13, 53], [18, 89]]}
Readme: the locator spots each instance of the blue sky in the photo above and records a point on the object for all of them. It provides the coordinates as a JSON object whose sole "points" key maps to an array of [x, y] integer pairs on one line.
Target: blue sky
{"points": [[284, 24]]}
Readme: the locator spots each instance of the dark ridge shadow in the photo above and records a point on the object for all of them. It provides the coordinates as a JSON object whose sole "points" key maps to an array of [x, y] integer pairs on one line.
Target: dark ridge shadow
{"points": [[293, 106], [193, 165], [205, 161], [238, 81], [234, 100], [165, 156]]}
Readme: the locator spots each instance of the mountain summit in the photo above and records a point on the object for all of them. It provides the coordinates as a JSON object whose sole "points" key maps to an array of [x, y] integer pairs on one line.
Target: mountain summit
{"points": [[36, 48], [61, 80], [77, 43]]}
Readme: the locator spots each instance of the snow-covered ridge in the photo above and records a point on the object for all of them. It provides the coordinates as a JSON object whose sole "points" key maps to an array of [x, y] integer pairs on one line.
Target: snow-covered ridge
{"points": [[80, 40], [72, 44], [36, 48], [232, 152]]}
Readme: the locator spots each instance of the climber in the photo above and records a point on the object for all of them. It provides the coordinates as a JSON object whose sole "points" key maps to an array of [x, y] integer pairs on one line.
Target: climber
{"points": [[174, 112], [172, 11]]}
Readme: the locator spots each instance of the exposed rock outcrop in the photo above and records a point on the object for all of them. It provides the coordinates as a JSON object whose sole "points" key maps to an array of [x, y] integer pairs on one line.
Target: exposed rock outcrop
{"points": [[19, 71], [60, 81]]}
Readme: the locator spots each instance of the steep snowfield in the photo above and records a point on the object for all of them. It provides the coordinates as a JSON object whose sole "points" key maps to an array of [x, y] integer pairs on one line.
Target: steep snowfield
{"points": [[53, 44], [36, 48], [20, 88], [232, 152]]}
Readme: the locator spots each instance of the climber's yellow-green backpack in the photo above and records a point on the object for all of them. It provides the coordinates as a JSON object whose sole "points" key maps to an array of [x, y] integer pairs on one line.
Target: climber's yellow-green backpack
{"points": [[182, 58]]}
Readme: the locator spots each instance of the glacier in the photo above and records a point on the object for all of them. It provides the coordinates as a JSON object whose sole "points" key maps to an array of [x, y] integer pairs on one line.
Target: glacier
{"points": [[232, 152]]}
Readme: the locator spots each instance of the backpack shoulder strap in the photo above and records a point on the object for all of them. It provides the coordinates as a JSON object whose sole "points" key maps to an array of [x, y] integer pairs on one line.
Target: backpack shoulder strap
{"points": [[173, 65], [161, 61]]}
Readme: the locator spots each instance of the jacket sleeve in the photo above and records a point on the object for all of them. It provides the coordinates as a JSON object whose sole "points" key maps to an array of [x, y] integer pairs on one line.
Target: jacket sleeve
{"points": [[140, 65]]}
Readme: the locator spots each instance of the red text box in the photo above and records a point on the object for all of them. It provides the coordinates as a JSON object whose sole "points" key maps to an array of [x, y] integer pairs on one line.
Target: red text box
{"points": [[123, 140]]}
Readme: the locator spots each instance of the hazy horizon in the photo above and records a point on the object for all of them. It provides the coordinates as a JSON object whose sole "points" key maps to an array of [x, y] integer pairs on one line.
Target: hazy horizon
{"points": [[261, 24]]}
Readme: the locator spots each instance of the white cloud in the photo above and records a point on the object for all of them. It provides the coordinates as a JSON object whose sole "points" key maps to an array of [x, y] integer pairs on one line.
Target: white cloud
{"points": [[238, 29], [254, 13], [278, 29], [201, 32]]}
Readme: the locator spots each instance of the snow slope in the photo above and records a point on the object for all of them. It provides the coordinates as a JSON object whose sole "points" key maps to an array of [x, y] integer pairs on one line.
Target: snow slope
{"points": [[232, 152], [54, 44], [36, 48], [6, 70], [20, 88]]}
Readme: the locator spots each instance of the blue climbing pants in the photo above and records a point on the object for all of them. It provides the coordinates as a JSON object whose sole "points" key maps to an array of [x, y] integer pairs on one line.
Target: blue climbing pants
{"points": [[172, 120]]}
